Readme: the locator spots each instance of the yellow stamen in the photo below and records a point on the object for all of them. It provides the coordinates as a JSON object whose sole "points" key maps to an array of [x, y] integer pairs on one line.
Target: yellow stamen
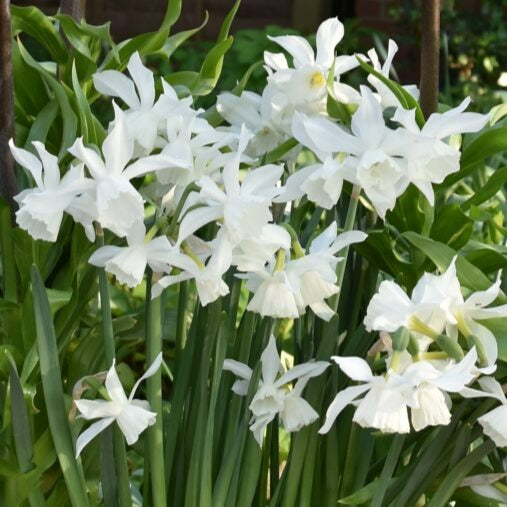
{"points": [[317, 80]]}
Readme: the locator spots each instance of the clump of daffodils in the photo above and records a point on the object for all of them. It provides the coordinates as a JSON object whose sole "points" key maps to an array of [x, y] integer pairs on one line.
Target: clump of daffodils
{"points": [[215, 179]]}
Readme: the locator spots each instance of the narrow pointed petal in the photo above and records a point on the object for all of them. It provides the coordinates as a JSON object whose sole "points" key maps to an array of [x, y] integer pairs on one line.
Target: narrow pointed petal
{"points": [[148, 373], [341, 400], [329, 34], [143, 78], [90, 433], [270, 362], [354, 367], [298, 47]]}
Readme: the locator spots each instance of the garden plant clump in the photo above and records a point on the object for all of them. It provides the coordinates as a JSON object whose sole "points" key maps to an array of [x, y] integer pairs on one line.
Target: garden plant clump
{"points": [[292, 297]]}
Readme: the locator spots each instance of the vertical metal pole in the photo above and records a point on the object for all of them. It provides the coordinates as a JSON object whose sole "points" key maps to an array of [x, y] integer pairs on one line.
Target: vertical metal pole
{"points": [[8, 179], [430, 55]]}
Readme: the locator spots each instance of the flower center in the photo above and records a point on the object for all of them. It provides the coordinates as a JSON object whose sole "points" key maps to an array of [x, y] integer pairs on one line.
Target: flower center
{"points": [[317, 80]]}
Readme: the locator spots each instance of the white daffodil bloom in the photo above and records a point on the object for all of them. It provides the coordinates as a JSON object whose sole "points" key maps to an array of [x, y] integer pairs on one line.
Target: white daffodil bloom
{"points": [[129, 263], [144, 115], [252, 254], [422, 387], [273, 396], [119, 204], [243, 207], [41, 208], [387, 97], [322, 183], [493, 422], [253, 111], [374, 150], [197, 148], [208, 277], [431, 159], [430, 406], [133, 416], [438, 303], [285, 289], [304, 87]]}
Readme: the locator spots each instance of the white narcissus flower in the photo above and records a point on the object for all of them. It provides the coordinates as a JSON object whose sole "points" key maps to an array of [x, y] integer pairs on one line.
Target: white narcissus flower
{"points": [[208, 277], [438, 303], [244, 207], [493, 422], [119, 204], [431, 159], [128, 263], [422, 387], [144, 115], [133, 416], [387, 97], [304, 87], [322, 183], [41, 208], [273, 396], [253, 111], [374, 150], [285, 289]]}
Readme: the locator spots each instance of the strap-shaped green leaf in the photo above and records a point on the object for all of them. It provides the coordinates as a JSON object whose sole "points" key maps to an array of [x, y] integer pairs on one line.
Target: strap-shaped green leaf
{"points": [[53, 393]]}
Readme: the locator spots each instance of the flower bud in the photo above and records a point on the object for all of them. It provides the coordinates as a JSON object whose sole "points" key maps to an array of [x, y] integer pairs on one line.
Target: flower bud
{"points": [[401, 339], [450, 346]]}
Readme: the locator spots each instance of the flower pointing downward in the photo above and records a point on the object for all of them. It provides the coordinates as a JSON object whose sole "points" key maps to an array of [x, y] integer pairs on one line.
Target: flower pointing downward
{"points": [[133, 416], [272, 396]]}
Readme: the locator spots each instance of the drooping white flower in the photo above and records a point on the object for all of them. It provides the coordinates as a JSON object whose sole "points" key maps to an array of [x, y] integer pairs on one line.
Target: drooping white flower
{"points": [[41, 208], [253, 111], [493, 422], [133, 416], [273, 396], [244, 207], [145, 115], [119, 204], [285, 289], [129, 263], [374, 151], [387, 97], [322, 182], [431, 158], [421, 386], [383, 407], [208, 277], [438, 302]]}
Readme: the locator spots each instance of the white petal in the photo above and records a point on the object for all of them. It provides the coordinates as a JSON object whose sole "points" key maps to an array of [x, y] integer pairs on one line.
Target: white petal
{"points": [[143, 78], [270, 362], [134, 420], [196, 219], [103, 254], [50, 164], [309, 370], [341, 400], [239, 369], [90, 433], [89, 157], [116, 84], [114, 387], [29, 161], [93, 409], [329, 34], [148, 373], [368, 121], [354, 367], [298, 47], [297, 413], [118, 146]]}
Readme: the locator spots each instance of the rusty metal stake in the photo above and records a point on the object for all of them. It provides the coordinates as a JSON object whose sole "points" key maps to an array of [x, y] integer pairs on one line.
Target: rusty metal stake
{"points": [[8, 179], [430, 55]]}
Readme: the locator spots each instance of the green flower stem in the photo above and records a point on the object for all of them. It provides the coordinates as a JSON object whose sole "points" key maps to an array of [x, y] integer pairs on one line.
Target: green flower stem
{"points": [[154, 395], [119, 457], [349, 224]]}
